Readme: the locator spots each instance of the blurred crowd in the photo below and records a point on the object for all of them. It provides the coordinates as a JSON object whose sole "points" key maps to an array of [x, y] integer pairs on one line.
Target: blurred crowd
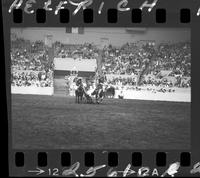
{"points": [[84, 51], [30, 61], [30, 78], [130, 57], [140, 61], [30, 64], [150, 81]]}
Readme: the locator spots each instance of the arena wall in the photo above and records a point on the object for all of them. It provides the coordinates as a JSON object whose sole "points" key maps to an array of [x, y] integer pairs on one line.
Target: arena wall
{"points": [[32, 90], [159, 96], [115, 36], [62, 74], [178, 96], [68, 64]]}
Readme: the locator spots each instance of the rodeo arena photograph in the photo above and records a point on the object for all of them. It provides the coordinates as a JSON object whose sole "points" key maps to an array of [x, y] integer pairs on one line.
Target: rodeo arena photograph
{"points": [[100, 88]]}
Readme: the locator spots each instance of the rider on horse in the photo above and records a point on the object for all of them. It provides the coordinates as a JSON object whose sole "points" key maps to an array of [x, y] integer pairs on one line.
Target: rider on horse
{"points": [[79, 84], [82, 91], [100, 85], [98, 92]]}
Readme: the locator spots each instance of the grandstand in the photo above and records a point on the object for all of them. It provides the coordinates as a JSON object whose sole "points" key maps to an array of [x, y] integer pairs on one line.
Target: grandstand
{"points": [[143, 58], [141, 64]]}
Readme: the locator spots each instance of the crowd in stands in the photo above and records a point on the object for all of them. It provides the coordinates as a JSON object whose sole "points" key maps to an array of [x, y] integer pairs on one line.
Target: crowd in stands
{"points": [[84, 51], [30, 78], [29, 60], [30, 64], [135, 60], [150, 82], [128, 59]]}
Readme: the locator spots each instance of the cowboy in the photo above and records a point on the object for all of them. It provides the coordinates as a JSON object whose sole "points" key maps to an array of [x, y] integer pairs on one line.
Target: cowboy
{"points": [[79, 83], [99, 86]]}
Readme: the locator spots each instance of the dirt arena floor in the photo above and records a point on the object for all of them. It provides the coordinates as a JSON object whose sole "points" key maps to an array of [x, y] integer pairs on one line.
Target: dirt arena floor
{"points": [[57, 122]]}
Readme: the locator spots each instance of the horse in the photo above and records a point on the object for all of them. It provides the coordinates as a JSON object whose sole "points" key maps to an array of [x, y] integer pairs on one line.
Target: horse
{"points": [[110, 92], [88, 99], [99, 95], [79, 92]]}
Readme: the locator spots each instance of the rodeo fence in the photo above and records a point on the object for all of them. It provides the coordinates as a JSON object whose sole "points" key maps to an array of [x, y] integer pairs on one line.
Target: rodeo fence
{"points": [[32, 90]]}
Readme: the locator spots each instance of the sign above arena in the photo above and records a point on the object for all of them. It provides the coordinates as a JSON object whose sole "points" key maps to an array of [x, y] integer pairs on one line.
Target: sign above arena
{"points": [[69, 64]]}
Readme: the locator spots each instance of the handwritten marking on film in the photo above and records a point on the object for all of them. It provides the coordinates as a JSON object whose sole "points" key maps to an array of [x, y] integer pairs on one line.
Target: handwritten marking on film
{"points": [[141, 172], [121, 6], [173, 169], [196, 168], [112, 172], [38, 171]]}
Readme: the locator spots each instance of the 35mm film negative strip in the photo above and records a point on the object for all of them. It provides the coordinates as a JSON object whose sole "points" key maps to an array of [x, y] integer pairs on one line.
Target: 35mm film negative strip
{"points": [[102, 88]]}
